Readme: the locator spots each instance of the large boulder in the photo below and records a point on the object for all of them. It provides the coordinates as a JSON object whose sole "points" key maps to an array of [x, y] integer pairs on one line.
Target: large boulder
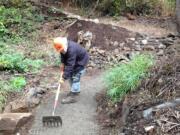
{"points": [[16, 106], [23, 104], [10, 122]]}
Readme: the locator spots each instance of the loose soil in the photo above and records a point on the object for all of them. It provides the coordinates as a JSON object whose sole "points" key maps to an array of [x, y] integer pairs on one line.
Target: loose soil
{"points": [[102, 34]]}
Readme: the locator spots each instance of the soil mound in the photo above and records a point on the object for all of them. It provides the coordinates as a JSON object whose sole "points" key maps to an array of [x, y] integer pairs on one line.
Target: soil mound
{"points": [[103, 34]]}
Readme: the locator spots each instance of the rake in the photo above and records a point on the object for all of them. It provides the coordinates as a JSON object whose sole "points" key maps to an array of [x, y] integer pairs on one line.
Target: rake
{"points": [[53, 121]]}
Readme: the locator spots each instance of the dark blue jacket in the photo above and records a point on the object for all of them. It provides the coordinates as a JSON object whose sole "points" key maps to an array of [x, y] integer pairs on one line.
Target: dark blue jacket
{"points": [[75, 59]]}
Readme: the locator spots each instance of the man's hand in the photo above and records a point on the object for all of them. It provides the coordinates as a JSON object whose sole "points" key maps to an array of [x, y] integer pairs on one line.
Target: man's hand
{"points": [[61, 80]]}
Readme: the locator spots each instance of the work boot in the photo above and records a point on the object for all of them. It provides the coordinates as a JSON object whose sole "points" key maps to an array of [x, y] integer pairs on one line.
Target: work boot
{"points": [[70, 98]]}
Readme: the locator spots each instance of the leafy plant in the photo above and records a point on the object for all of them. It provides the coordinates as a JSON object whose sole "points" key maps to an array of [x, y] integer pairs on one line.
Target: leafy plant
{"points": [[17, 23], [15, 84], [126, 77], [18, 83], [10, 60], [32, 65]]}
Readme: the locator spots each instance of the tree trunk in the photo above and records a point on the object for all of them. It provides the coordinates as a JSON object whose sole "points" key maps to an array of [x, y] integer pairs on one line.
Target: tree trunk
{"points": [[178, 14]]}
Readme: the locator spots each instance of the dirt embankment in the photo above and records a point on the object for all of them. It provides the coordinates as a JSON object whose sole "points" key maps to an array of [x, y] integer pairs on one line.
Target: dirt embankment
{"points": [[154, 107]]}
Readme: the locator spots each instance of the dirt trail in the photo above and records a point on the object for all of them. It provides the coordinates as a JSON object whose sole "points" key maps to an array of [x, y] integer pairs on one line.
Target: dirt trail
{"points": [[152, 27], [78, 118]]}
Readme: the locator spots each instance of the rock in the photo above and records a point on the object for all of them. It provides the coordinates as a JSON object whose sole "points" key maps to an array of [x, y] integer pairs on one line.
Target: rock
{"points": [[121, 45], [149, 129], [39, 95], [85, 38], [116, 51], [31, 92], [18, 105], [112, 43], [116, 44], [132, 39], [149, 48], [171, 35], [127, 49], [92, 64], [161, 46], [8, 108], [144, 42], [90, 68], [80, 36], [160, 53], [167, 42], [148, 113], [31, 98], [137, 48], [122, 58], [139, 35], [41, 90], [92, 20], [10, 122], [136, 43], [34, 101], [160, 81], [96, 20], [88, 36], [100, 51], [108, 58]]}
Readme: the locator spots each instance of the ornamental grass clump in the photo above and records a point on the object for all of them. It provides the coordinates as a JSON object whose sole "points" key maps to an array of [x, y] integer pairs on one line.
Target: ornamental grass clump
{"points": [[126, 77]]}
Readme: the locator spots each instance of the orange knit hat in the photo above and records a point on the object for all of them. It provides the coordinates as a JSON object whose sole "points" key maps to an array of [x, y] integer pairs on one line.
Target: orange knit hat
{"points": [[59, 44]]}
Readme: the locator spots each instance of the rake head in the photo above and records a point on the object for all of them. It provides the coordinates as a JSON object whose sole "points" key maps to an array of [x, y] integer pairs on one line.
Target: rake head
{"points": [[52, 121]]}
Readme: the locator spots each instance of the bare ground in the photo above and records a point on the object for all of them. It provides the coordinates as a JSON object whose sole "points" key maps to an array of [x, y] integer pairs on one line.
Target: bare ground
{"points": [[78, 118], [149, 26]]}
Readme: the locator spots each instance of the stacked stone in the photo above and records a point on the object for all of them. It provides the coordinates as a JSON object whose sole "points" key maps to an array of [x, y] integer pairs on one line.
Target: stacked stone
{"points": [[124, 51]]}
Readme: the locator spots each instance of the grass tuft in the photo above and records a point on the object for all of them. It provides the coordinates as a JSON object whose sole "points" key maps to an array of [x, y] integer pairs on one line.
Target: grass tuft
{"points": [[126, 77]]}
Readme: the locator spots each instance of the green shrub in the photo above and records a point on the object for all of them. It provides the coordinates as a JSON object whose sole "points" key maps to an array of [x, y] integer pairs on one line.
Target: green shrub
{"points": [[126, 77], [19, 63], [32, 65], [14, 61], [17, 23], [18, 83], [15, 84]]}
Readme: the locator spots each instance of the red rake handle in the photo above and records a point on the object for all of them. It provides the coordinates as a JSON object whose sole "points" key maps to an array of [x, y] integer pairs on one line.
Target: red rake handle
{"points": [[57, 96]]}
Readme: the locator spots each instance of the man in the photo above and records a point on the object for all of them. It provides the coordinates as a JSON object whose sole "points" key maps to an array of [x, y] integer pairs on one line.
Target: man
{"points": [[74, 59]]}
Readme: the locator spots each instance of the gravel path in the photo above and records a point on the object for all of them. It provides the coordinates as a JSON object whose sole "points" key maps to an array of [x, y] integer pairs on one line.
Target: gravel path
{"points": [[78, 118]]}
